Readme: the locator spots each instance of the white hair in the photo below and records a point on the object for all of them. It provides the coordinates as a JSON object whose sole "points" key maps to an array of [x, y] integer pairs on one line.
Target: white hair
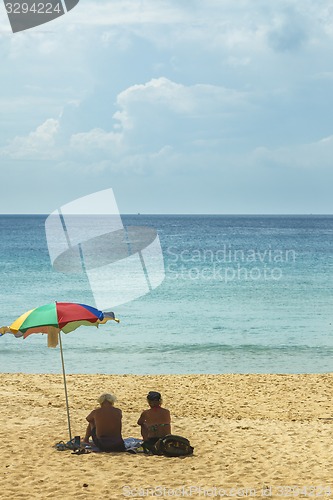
{"points": [[107, 397]]}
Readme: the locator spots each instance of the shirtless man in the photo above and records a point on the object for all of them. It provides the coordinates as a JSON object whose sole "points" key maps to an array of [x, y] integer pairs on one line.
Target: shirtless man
{"points": [[105, 425], [155, 422]]}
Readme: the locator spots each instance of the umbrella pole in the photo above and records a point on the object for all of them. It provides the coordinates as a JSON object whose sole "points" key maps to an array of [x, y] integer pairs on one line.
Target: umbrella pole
{"points": [[65, 387]]}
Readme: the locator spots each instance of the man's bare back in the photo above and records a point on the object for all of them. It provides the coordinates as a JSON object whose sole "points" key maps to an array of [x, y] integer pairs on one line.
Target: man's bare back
{"points": [[105, 425], [107, 421]]}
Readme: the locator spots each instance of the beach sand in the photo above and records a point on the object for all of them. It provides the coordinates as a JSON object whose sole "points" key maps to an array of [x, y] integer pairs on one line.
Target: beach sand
{"points": [[256, 432]]}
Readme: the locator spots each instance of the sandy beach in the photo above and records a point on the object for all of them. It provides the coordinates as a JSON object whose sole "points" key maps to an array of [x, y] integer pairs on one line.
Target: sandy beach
{"points": [[254, 436]]}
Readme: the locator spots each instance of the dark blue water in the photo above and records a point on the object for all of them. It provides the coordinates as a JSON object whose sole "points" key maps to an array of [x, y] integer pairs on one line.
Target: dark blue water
{"points": [[247, 294]]}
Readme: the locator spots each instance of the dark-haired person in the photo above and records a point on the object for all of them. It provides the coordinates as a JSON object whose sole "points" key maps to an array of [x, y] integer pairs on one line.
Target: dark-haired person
{"points": [[155, 422]]}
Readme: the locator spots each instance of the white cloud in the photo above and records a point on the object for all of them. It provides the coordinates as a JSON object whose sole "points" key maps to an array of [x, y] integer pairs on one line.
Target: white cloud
{"points": [[162, 112], [39, 144], [123, 12], [169, 87], [143, 124], [180, 98], [314, 156], [96, 140]]}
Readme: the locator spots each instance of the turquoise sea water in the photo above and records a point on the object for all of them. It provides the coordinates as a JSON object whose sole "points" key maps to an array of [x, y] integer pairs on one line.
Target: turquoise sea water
{"points": [[242, 294]]}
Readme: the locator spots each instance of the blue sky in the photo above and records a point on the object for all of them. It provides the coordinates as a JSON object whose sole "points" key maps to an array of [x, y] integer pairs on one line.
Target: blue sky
{"points": [[187, 106]]}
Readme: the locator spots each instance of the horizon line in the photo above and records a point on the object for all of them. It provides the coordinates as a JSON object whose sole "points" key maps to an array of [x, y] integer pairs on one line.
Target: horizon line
{"points": [[187, 214]]}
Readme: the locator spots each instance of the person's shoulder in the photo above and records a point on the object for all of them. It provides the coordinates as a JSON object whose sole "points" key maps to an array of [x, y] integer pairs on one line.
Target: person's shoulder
{"points": [[91, 414], [166, 412]]}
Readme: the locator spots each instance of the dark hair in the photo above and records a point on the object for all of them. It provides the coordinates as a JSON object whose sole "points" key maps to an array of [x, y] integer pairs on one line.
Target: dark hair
{"points": [[154, 396]]}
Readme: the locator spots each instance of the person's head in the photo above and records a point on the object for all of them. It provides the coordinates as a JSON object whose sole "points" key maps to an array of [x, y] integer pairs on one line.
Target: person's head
{"points": [[154, 399], [107, 399]]}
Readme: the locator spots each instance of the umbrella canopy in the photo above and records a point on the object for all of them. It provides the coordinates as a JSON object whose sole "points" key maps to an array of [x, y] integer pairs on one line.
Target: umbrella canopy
{"points": [[54, 318], [51, 318]]}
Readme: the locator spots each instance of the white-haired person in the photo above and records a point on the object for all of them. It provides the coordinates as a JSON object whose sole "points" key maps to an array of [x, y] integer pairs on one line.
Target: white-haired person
{"points": [[105, 425]]}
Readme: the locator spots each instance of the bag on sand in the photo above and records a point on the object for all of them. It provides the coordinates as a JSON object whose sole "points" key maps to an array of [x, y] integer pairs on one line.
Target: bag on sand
{"points": [[173, 446]]}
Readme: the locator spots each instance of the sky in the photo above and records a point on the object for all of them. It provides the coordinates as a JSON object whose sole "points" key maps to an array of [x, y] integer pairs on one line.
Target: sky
{"points": [[180, 106]]}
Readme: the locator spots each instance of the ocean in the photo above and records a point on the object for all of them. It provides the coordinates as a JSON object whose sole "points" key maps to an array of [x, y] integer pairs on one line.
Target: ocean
{"points": [[242, 294]]}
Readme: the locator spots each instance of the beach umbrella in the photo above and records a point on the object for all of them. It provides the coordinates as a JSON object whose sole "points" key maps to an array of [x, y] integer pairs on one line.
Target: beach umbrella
{"points": [[54, 318]]}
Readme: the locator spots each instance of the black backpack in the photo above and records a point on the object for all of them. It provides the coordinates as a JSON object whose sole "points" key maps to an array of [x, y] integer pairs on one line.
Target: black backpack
{"points": [[173, 446]]}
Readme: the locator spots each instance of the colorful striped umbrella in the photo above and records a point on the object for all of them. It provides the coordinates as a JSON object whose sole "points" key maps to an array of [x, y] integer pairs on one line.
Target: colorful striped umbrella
{"points": [[53, 318]]}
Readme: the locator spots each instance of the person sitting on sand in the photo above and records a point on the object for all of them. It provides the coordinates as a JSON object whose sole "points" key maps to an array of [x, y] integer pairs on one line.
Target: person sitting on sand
{"points": [[155, 422], [105, 425]]}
